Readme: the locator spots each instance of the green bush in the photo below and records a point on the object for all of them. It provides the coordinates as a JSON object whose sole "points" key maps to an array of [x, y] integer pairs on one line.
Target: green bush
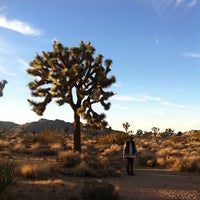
{"points": [[8, 175], [98, 191]]}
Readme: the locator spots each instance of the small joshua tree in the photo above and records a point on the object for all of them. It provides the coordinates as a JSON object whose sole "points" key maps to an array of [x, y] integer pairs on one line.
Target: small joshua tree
{"points": [[2, 85], [139, 132], [126, 127], [73, 76], [155, 132]]}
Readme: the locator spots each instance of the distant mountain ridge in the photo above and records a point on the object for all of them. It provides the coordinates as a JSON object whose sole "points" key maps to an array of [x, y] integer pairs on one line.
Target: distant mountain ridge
{"points": [[38, 126], [8, 125], [44, 124]]}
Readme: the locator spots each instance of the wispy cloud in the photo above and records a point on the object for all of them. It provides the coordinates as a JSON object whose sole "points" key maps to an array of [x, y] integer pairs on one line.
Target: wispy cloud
{"points": [[23, 63], [4, 70], [19, 26], [146, 98], [191, 54], [168, 5], [122, 98]]}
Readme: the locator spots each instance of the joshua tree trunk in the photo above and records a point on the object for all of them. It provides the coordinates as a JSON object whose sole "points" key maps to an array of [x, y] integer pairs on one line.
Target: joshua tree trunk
{"points": [[77, 132]]}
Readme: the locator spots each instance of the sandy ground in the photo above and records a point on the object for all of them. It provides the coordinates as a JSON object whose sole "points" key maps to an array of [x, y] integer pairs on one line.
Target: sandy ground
{"points": [[148, 184], [151, 184]]}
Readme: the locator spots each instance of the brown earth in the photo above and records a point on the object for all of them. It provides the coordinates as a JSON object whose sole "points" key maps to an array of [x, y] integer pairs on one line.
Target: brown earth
{"points": [[154, 184], [148, 184], [151, 184]]}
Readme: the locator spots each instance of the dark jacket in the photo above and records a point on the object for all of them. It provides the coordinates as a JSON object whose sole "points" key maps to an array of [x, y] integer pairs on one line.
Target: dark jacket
{"points": [[126, 148]]}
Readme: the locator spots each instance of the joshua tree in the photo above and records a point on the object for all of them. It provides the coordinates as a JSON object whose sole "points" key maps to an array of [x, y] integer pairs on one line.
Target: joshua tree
{"points": [[73, 76], [169, 132], [139, 132], [126, 127], [2, 85], [155, 132]]}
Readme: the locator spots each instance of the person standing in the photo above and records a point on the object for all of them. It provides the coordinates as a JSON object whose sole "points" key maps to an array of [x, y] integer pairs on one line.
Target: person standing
{"points": [[129, 152]]}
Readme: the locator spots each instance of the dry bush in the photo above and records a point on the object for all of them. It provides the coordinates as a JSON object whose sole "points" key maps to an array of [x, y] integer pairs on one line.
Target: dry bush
{"points": [[45, 151], [8, 175], [35, 171], [19, 147], [4, 143], [190, 163], [112, 138], [164, 152], [177, 153], [84, 157], [98, 191], [146, 158], [83, 170], [45, 137], [46, 189], [35, 146], [113, 150], [68, 159], [56, 146]]}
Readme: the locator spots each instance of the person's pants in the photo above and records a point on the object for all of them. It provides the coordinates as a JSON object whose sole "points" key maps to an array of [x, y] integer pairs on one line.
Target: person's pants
{"points": [[129, 165]]}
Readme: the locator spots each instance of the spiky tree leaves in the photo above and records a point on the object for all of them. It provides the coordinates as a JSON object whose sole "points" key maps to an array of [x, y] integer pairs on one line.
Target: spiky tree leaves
{"points": [[2, 85], [73, 76]]}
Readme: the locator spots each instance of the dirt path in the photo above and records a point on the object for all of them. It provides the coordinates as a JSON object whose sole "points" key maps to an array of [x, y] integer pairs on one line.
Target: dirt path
{"points": [[158, 184]]}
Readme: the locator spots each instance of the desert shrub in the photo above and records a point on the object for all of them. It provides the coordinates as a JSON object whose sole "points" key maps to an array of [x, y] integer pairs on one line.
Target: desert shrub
{"points": [[28, 171], [98, 191], [4, 143], [94, 164], [146, 158], [112, 138], [35, 146], [96, 169], [56, 146], [45, 137], [8, 175], [195, 136], [164, 151], [68, 159], [177, 139], [35, 171], [112, 150], [45, 152], [83, 170], [190, 164]]}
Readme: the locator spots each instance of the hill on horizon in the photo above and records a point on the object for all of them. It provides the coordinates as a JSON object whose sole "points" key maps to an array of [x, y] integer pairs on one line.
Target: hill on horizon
{"points": [[38, 126], [43, 125]]}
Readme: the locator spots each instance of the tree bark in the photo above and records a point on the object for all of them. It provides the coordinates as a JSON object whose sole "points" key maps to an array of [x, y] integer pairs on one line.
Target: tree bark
{"points": [[77, 133]]}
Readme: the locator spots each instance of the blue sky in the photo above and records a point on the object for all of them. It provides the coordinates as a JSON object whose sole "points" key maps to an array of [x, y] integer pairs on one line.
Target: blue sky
{"points": [[154, 45]]}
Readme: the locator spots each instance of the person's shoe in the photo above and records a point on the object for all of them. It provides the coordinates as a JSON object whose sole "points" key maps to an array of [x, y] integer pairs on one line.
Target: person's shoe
{"points": [[132, 174]]}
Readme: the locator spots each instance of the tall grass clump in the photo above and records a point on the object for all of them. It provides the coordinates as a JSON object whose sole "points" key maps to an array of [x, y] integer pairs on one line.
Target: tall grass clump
{"points": [[8, 175]]}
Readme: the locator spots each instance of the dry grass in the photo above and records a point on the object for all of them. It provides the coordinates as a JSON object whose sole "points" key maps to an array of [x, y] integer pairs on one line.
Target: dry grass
{"points": [[44, 165], [35, 171]]}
